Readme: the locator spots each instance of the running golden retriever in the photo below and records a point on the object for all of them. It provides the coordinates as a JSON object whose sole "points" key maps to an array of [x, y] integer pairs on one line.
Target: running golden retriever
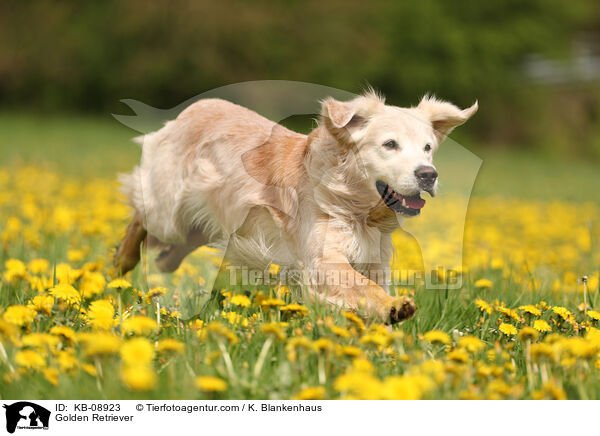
{"points": [[325, 203]]}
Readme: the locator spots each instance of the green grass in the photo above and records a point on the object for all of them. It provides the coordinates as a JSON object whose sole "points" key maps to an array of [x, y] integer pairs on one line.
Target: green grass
{"points": [[76, 145], [81, 148]]}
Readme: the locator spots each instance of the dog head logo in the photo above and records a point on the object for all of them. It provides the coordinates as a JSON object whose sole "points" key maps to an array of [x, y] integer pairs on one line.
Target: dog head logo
{"points": [[26, 415]]}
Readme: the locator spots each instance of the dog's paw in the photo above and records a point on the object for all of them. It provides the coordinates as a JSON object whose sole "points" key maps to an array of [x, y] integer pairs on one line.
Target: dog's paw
{"points": [[124, 262], [401, 308]]}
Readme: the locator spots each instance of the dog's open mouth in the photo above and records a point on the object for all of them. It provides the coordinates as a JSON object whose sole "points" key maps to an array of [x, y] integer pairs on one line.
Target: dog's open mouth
{"points": [[409, 205]]}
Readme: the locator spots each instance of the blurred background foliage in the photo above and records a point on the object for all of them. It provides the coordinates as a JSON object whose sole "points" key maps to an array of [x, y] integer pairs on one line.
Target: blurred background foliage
{"points": [[534, 65]]}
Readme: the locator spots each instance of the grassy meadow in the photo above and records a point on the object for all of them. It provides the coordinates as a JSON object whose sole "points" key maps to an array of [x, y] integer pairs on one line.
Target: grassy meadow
{"points": [[523, 325]]}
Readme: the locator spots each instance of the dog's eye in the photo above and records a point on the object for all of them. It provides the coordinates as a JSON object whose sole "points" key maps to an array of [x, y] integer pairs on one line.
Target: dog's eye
{"points": [[427, 147], [391, 144]]}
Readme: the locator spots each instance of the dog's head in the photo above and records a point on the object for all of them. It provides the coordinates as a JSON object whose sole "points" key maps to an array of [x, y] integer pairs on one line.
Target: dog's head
{"points": [[395, 145]]}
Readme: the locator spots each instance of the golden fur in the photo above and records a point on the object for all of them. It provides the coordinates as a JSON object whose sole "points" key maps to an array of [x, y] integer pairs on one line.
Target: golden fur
{"points": [[220, 172]]}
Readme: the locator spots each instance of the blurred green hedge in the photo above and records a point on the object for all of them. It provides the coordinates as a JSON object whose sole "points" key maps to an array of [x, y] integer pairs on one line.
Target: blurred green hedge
{"points": [[86, 56]]}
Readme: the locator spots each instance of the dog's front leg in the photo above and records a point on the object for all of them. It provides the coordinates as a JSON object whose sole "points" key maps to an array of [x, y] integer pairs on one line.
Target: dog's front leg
{"points": [[336, 282]]}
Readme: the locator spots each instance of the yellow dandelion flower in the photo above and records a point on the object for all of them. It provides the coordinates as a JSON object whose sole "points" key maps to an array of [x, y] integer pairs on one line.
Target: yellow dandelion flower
{"points": [[101, 315], [137, 351], [66, 361], [15, 269], [98, 344], [63, 331], [30, 359], [580, 347], [549, 391], [568, 362], [340, 331], [311, 393], [406, 387], [437, 336], [235, 318], [67, 293], [170, 345], [593, 335], [210, 384], [282, 291], [19, 315], [51, 374], [65, 274], [471, 344], [219, 332], [294, 308], [92, 284], [139, 325], [483, 306], [541, 326], [363, 365], [484, 284], [323, 344], [376, 339], [397, 335], [351, 351], [157, 291], [38, 266], [294, 344], [138, 377], [74, 255], [40, 340], [39, 284], [511, 313], [359, 385], [274, 329], [497, 263], [458, 355], [498, 389], [89, 368], [119, 284], [554, 338], [529, 308], [92, 266], [563, 312], [259, 297], [240, 300], [484, 370], [354, 320], [593, 314], [508, 329], [196, 324], [272, 302], [274, 269], [42, 304], [7, 330], [528, 334], [470, 394]]}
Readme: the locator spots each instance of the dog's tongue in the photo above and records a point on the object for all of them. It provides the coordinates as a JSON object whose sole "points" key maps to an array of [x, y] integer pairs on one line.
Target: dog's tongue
{"points": [[414, 202]]}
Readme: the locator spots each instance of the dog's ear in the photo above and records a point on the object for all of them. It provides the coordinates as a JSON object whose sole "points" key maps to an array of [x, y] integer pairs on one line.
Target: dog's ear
{"points": [[444, 116], [340, 114], [346, 120], [343, 119]]}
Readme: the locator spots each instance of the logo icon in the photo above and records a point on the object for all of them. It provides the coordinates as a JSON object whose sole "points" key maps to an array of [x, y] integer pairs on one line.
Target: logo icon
{"points": [[26, 415]]}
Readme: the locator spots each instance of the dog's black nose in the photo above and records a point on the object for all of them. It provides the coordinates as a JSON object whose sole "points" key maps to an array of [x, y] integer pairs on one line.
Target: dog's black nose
{"points": [[426, 175]]}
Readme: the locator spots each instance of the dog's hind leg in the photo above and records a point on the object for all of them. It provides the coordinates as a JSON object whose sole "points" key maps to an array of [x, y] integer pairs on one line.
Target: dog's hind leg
{"points": [[171, 257], [128, 252]]}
